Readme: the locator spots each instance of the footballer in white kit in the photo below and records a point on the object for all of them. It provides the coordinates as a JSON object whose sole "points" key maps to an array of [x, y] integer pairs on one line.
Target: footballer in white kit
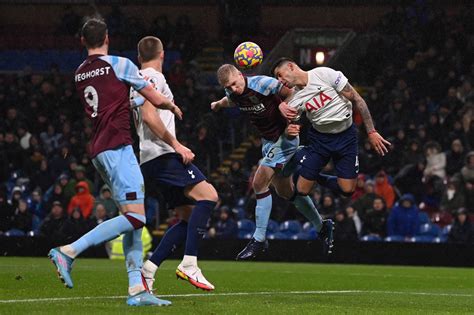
{"points": [[167, 166], [326, 97]]}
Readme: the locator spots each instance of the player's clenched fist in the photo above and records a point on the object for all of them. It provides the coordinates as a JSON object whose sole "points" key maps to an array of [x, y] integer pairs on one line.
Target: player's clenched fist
{"points": [[215, 106], [293, 130], [287, 112]]}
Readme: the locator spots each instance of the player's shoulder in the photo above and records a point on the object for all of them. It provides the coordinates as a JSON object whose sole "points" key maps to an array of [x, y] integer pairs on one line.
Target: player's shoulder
{"points": [[322, 70], [112, 59], [263, 84]]}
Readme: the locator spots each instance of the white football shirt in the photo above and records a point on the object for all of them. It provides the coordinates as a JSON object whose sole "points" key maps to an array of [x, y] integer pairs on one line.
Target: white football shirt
{"points": [[326, 109], [150, 145]]}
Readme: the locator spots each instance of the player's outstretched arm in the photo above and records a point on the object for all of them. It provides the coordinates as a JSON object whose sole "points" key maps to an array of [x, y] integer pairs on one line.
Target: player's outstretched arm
{"points": [[375, 139], [160, 101], [156, 125], [222, 103]]}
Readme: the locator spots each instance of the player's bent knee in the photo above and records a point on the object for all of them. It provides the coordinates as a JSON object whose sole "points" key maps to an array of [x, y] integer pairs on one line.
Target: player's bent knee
{"points": [[212, 193], [136, 220], [301, 190]]}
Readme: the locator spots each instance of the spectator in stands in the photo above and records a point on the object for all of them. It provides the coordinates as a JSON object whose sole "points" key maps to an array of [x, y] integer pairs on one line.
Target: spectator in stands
{"points": [[384, 189], [238, 180], [52, 226], [455, 157], [453, 197], [105, 199], [100, 214], [79, 176], [75, 226], [462, 230], [410, 179], [351, 213], [328, 206], [375, 222], [345, 228], [24, 135], [435, 160], [13, 152], [413, 155], [50, 139], [467, 172], [7, 211], [16, 196], [359, 191], [42, 177], [22, 220], [365, 202], [403, 219], [54, 193], [37, 205], [369, 160], [225, 227], [83, 200]]}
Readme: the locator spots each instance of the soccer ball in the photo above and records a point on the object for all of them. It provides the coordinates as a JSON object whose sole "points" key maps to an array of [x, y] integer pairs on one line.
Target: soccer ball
{"points": [[248, 55]]}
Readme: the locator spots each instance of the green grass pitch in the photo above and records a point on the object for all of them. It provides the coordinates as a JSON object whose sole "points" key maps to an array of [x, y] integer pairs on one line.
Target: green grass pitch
{"points": [[30, 285]]}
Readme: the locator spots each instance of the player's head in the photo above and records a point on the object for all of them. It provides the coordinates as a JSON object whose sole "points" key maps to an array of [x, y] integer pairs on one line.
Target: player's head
{"points": [[286, 71], [150, 48], [231, 78], [94, 34]]}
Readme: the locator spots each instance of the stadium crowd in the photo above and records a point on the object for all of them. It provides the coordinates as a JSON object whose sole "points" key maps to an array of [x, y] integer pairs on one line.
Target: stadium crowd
{"points": [[416, 81]]}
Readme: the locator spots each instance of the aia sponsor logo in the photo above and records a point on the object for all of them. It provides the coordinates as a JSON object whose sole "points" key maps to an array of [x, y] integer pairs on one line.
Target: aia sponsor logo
{"points": [[317, 102]]}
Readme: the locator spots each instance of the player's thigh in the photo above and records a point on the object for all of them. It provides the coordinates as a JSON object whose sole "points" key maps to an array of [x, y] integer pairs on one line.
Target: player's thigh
{"points": [[277, 154], [119, 168], [184, 212], [346, 159], [201, 191], [304, 185], [283, 186]]}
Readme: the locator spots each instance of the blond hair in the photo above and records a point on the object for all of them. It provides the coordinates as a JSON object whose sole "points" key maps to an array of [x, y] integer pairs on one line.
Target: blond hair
{"points": [[224, 72]]}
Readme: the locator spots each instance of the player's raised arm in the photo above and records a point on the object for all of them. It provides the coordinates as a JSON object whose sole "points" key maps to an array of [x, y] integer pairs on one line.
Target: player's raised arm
{"points": [[160, 101], [222, 103], [156, 125], [375, 139]]}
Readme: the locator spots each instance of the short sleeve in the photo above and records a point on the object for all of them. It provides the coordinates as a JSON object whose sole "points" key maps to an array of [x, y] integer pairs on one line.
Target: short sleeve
{"points": [[264, 85], [334, 78], [126, 71]]}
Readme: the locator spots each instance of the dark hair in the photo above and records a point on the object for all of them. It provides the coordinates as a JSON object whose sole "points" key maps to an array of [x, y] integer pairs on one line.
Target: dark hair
{"points": [[94, 32], [149, 48], [280, 62]]}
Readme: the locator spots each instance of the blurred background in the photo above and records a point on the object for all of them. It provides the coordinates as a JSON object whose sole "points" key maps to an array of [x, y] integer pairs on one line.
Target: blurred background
{"points": [[412, 61]]}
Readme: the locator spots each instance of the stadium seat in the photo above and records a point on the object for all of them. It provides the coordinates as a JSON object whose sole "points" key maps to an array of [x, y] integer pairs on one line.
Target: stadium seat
{"points": [[445, 230], [273, 227], [422, 239], [245, 227], [440, 239], [371, 238], [245, 235], [394, 238], [302, 236], [291, 227], [281, 236], [423, 217], [429, 229], [307, 226], [239, 213]]}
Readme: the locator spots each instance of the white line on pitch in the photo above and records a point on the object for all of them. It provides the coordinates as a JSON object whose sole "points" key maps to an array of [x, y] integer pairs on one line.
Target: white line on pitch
{"points": [[241, 294]]}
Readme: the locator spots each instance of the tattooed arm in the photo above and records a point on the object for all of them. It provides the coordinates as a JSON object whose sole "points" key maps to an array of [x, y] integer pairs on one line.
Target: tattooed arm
{"points": [[375, 139]]}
